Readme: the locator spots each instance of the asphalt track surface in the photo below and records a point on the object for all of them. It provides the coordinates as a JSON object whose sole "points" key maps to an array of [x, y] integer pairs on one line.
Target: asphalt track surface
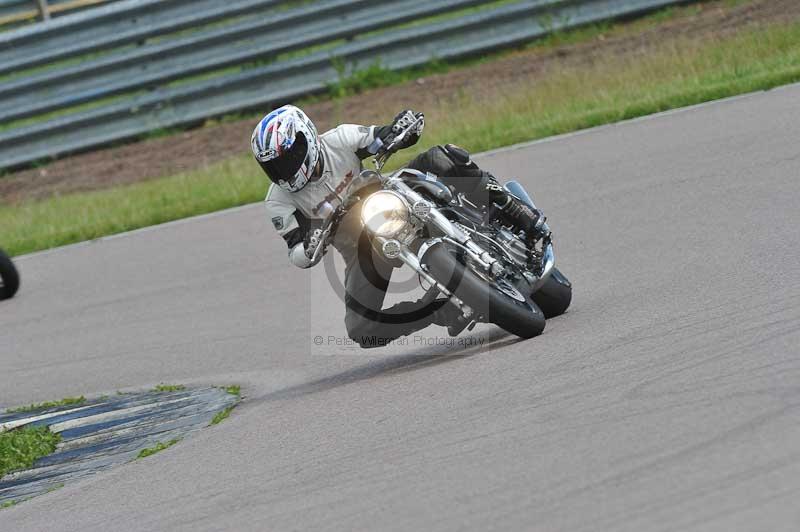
{"points": [[668, 398]]}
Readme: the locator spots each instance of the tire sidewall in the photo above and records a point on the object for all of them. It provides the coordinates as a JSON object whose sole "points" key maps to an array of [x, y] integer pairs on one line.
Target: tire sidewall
{"points": [[555, 296], [525, 319], [9, 275]]}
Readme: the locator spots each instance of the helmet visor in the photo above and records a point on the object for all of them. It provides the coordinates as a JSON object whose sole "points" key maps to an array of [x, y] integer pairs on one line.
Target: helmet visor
{"points": [[284, 166]]}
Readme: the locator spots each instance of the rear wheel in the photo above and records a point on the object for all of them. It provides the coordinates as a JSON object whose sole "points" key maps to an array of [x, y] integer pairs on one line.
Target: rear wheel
{"points": [[498, 302], [555, 295], [9, 278]]}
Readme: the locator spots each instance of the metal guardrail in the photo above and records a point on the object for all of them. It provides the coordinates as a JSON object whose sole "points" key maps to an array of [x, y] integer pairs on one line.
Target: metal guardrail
{"points": [[144, 87], [176, 59], [20, 11], [125, 22]]}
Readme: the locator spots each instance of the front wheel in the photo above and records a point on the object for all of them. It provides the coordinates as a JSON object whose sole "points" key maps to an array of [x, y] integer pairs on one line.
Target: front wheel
{"points": [[9, 278], [501, 304]]}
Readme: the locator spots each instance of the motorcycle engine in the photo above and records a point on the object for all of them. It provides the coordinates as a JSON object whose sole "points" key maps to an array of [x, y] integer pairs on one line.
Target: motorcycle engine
{"points": [[514, 246]]}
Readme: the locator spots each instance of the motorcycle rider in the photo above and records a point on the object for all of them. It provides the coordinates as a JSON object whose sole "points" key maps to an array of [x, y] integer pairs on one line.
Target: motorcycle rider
{"points": [[311, 176]]}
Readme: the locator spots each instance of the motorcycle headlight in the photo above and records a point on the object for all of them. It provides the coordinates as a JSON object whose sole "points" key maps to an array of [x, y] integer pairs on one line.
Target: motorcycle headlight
{"points": [[384, 214]]}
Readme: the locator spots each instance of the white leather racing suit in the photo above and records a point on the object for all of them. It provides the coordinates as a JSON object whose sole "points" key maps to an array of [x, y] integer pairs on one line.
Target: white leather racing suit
{"points": [[293, 213]]}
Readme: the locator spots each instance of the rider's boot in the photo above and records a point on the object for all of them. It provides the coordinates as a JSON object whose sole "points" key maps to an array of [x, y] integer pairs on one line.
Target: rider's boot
{"points": [[450, 316]]}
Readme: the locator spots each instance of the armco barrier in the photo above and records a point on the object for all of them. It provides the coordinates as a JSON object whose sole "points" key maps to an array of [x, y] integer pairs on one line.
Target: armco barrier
{"points": [[26, 11], [136, 87]]}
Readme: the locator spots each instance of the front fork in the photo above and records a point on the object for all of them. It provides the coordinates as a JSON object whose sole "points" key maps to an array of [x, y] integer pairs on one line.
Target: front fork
{"points": [[410, 259], [392, 249]]}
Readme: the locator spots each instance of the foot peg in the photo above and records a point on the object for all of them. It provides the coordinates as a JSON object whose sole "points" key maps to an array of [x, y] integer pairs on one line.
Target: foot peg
{"points": [[457, 326]]}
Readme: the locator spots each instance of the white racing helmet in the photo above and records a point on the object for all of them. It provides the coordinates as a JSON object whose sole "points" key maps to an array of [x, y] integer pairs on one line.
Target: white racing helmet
{"points": [[286, 145]]}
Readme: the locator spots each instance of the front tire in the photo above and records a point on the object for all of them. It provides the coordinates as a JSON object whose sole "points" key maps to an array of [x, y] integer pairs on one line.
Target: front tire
{"points": [[9, 278], [555, 295], [521, 317]]}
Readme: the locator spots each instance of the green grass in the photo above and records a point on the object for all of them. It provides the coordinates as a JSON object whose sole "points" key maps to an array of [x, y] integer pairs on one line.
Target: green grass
{"points": [[168, 388], [73, 218], [567, 98], [157, 448], [234, 389], [20, 448], [67, 401], [221, 416], [7, 504], [616, 89]]}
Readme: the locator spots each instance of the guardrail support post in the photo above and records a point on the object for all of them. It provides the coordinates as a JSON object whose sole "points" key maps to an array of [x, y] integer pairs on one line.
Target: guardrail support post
{"points": [[44, 9]]}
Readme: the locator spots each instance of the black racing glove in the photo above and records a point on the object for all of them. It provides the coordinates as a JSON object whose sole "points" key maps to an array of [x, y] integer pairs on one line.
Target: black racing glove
{"points": [[312, 242], [387, 134], [313, 239], [404, 120]]}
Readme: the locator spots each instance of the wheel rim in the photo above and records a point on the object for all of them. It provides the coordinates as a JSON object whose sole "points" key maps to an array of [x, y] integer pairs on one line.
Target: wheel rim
{"points": [[510, 290], [501, 285]]}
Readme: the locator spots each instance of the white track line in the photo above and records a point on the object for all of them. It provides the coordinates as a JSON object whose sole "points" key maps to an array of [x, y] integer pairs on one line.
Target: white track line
{"points": [[513, 147]]}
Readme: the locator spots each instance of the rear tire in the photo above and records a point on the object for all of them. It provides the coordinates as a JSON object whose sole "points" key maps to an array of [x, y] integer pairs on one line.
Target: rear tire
{"points": [[523, 318], [555, 295], [9, 278]]}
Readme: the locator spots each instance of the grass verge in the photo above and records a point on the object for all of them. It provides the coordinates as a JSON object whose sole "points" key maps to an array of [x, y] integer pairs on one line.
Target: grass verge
{"points": [[168, 388], [674, 74], [67, 401], [157, 448], [20, 448], [222, 415], [234, 389]]}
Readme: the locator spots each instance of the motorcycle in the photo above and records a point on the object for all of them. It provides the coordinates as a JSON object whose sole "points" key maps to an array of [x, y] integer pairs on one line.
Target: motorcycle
{"points": [[9, 277], [491, 273]]}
